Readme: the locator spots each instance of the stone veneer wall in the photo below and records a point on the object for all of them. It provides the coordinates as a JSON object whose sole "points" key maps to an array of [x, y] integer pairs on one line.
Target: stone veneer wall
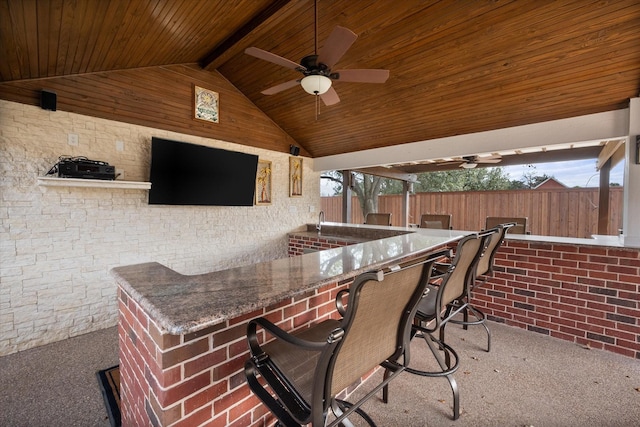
{"points": [[589, 295], [58, 244], [198, 379]]}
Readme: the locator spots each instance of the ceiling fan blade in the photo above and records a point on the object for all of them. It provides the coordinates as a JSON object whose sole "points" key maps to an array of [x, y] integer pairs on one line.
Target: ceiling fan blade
{"points": [[272, 57], [363, 76], [330, 97], [481, 160], [336, 45], [279, 88]]}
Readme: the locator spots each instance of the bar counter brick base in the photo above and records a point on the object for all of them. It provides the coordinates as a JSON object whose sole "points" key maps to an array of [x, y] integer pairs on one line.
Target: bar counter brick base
{"points": [[198, 379], [589, 295]]}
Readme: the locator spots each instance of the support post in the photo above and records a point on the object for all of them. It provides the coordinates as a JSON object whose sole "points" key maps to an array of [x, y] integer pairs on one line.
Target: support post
{"points": [[603, 199], [631, 213], [346, 196], [406, 190]]}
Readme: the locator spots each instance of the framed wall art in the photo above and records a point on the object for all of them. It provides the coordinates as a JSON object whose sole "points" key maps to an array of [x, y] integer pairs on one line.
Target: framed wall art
{"points": [[263, 183], [205, 104], [295, 177]]}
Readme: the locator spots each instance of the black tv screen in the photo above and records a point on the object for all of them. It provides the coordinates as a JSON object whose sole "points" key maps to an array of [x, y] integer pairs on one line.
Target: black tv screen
{"points": [[189, 174]]}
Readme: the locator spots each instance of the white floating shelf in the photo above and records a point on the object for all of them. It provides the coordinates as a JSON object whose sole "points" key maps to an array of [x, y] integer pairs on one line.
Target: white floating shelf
{"points": [[48, 181]]}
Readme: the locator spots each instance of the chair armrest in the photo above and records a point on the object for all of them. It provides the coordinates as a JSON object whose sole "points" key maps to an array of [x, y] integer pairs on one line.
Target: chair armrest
{"points": [[279, 333], [342, 309]]}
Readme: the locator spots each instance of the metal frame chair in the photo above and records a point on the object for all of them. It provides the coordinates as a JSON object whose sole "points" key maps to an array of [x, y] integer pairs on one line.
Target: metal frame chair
{"points": [[439, 221], [378, 219], [484, 270], [298, 375], [442, 302], [519, 223]]}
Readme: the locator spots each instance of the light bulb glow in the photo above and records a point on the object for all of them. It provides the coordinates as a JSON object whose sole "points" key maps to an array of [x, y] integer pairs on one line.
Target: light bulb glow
{"points": [[316, 84]]}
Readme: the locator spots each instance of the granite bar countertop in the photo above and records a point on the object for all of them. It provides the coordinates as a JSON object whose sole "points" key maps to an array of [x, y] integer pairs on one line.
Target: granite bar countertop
{"points": [[183, 304]]}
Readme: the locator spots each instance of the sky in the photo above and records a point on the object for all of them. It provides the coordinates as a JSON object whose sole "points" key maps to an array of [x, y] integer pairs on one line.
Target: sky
{"points": [[577, 173]]}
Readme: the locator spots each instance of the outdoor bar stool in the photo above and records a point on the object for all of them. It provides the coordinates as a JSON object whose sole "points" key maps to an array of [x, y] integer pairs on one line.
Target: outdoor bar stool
{"points": [[441, 302], [378, 219], [299, 375], [482, 273], [439, 221], [519, 223]]}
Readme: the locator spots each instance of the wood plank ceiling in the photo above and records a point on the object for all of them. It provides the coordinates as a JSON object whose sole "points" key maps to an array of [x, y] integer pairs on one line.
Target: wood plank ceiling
{"points": [[456, 67]]}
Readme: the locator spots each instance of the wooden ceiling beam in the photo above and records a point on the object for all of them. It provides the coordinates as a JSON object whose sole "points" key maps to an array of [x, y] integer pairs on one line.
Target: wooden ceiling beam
{"points": [[609, 149], [220, 54], [392, 173]]}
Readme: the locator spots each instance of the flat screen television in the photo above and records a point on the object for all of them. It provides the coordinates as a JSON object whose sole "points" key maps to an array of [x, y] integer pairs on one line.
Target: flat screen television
{"points": [[190, 174]]}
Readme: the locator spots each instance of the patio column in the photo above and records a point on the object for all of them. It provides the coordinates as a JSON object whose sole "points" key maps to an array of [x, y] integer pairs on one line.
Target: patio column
{"points": [[406, 189], [631, 213], [346, 196]]}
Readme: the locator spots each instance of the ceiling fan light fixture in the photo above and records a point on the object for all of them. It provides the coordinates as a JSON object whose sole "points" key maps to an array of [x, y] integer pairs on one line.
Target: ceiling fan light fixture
{"points": [[469, 165], [315, 84]]}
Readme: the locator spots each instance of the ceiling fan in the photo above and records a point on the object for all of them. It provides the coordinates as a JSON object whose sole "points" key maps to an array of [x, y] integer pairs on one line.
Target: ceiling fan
{"points": [[470, 162], [318, 75]]}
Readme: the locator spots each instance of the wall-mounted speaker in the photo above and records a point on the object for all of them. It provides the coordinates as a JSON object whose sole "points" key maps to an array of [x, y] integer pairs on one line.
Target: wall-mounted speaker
{"points": [[293, 150], [48, 100]]}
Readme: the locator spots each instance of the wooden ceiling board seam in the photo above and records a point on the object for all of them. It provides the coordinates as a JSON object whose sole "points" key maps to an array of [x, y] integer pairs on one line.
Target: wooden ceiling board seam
{"points": [[468, 64], [43, 37], [184, 43], [86, 36], [55, 16], [100, 51], [74, 11], [10, 27], [235, 35], [127, 40], [256, 37]]}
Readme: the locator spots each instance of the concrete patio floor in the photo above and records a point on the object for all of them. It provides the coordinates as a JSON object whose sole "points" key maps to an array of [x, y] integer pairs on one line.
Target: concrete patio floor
{"points": [[526, 380]]}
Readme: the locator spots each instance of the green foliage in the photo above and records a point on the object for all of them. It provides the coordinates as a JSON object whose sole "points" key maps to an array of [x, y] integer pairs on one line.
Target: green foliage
{"points": [[369, 187]]}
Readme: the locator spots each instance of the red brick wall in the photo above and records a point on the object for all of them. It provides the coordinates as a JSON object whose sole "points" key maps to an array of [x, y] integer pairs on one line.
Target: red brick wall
{"points": [[589, 295], [298, 243], [585, 294], [198, 378]]}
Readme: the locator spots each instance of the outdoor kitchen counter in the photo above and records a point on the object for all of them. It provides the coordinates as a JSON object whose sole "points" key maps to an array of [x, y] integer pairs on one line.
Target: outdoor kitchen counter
{"points": [[182, 339], [182, 304]]}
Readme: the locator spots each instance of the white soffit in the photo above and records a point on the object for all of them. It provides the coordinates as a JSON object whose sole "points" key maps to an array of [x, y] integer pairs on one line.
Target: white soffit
{"points": [[579, 131]]}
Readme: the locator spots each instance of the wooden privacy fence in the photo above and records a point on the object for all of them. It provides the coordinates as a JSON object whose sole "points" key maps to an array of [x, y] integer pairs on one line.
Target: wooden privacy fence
{"points": [[567, 212]]}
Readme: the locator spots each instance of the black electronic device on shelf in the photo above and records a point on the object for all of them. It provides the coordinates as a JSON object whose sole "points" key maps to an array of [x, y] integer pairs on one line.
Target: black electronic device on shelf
{"points": [[81, 167]]}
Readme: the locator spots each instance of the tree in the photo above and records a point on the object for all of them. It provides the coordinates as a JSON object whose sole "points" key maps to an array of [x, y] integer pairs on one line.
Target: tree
{"points": [[368, 187], [531, 180]]}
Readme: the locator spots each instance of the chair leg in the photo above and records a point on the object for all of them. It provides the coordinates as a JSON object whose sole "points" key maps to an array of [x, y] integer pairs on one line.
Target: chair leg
{"points": [[480, 317], [449, 376], [339, 405], [482, 320], [436, 346], [275, 406]]}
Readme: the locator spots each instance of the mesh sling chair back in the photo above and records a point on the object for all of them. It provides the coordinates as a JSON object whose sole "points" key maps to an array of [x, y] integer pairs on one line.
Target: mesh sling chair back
{"points": [[441, 303], [441, 221], [519, 223], [298, 375], [378, 219], [484, 270]]}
